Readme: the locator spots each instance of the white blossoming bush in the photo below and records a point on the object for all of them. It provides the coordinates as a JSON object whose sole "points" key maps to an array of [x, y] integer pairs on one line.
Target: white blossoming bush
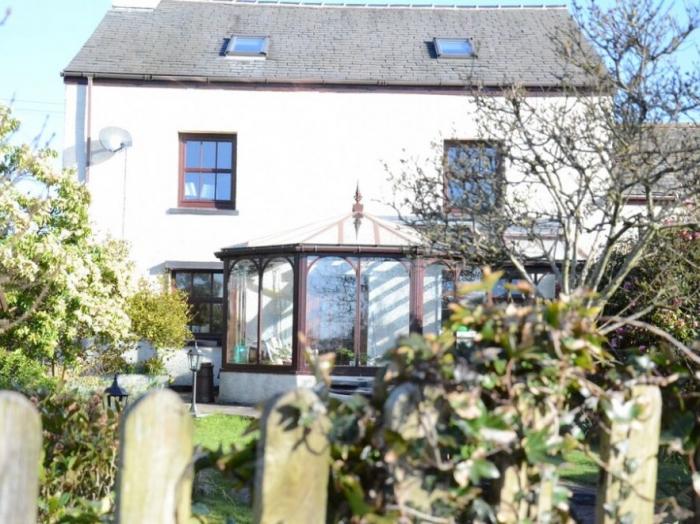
{"points": [[59, 285]]}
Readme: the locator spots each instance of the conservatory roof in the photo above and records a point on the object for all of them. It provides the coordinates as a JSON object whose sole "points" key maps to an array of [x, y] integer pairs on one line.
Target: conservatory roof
{"points": [[353, 230]]}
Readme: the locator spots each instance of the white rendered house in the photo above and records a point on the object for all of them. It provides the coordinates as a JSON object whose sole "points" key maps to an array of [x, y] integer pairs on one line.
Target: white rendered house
{"points": [[258, 121]]}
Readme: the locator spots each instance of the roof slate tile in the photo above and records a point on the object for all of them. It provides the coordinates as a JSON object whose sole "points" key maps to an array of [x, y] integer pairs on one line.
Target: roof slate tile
{"points": [[364, 45]]}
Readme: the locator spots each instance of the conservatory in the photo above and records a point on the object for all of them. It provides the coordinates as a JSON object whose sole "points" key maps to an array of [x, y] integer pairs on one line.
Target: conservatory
{"points": [[351, 285]]}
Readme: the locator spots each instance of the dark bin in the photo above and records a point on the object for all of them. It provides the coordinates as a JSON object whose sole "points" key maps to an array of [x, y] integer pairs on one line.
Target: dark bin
{"points": [[205, 383]]}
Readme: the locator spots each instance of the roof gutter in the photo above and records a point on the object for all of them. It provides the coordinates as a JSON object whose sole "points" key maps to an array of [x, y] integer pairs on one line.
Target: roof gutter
{"points": [[308, 83], [349, 249]]}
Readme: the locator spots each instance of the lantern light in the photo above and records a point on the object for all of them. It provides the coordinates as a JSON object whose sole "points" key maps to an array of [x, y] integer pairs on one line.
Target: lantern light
{"points": [[116, 394]]}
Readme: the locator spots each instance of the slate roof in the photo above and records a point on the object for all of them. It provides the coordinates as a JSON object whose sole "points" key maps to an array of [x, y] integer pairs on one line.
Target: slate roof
{"points": [[326, 44], [673, 151]]}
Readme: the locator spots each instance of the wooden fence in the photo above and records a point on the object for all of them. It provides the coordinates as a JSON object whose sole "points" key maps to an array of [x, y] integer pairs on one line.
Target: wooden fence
{"points": [[155, 464]]}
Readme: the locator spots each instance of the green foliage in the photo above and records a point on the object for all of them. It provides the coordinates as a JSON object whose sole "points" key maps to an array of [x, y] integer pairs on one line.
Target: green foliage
{"points": [[667, 286], [80, 457], [220, 498], [159, 315], [220, 430], [510, 399], [20, 373], [154, 366]]}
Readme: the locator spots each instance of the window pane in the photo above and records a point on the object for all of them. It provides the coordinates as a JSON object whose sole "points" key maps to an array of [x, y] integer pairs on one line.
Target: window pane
{"points": [[224, 155], [277, 313], [201, 285], [242, 336], [248, 45], [438, 290], [472, 170], [387, 287], [208, 154], [208, 181], [223, 186], [459, 47], [547, 285], [217, 318], [192, 153], [201, 314], [218, 289], [191, 186], [183, 281], [330, 308]]}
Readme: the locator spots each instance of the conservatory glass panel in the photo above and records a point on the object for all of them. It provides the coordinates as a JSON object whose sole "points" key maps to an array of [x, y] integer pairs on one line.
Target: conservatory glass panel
{"points": [[438, 291], [330, 308], [547, 286], [386, 291], [242, 336], [277, 317]]}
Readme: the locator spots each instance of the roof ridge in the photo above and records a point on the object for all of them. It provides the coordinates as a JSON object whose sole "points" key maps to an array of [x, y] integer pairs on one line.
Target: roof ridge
{"points": [[386, 5]]}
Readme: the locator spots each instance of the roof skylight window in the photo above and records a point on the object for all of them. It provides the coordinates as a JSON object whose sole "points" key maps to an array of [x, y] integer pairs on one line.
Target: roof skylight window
{"points": [[250, 46], [453, 48]]}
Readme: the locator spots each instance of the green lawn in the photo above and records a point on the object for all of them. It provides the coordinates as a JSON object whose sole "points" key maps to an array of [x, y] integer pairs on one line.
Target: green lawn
{"points": [[215, 430], [221, 506], [673, 478]]}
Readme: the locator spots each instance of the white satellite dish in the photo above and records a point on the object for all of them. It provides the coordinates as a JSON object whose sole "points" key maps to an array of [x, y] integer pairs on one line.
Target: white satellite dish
{"points": [[115, 138]]}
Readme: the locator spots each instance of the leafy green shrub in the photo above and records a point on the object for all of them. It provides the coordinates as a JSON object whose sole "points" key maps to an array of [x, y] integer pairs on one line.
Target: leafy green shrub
{"points": [[469, 410], [446, 417], [154, 366], [159, 315], [20, 373], [80, 457], [667, 286], [136, 384]]}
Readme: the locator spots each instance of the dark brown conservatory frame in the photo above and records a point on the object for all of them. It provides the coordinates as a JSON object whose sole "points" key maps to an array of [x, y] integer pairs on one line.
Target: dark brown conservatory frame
{"points": [[299, 256]]}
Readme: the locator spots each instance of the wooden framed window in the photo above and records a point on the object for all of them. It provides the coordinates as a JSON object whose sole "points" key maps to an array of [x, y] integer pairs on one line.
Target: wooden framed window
{"points": [[473, 176], [205, 291], [207, 171]]}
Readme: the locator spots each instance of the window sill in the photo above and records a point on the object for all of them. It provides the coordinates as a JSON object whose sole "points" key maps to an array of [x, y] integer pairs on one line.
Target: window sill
{"points": [[200, 211]]}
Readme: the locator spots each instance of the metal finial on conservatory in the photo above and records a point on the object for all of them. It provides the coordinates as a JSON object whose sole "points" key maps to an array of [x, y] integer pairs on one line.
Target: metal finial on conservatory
{"points": [[357, 209]]}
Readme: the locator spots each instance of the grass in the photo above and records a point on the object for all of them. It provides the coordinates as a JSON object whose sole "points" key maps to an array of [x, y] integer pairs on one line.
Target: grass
{"points": [[673, 476], [220, 506], [220, 430]]}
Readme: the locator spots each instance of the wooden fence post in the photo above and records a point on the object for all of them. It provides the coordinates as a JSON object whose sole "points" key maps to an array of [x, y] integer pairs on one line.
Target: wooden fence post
{"points": [[293, 462], [405, 414], [513, 506], [20, 456], [154, 483], [628, 488]]}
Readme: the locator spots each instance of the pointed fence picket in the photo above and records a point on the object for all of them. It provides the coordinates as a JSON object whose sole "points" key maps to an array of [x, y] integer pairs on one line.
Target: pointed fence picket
{"points": [[155, 466], [20, 455]]}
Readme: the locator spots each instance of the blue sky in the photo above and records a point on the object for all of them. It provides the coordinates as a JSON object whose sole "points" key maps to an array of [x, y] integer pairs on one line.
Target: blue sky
{"points": [[38, 40]]}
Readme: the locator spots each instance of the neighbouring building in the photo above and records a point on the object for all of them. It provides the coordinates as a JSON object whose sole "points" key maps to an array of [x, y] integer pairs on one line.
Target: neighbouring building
{"points": [[225, 141]]}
